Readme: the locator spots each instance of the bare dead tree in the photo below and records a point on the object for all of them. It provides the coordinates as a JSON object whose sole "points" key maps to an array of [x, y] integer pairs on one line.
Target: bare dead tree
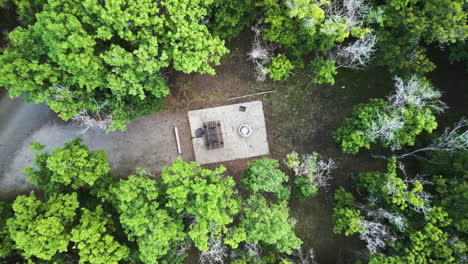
{"points": [[92, 122], [309, 166], [355, 12], [452, 140], [415, 92], [62, 92], [426, 204], [216, 253], [355, 55], [307, 257], [398, 220], [376, 235], [252, 249], [261, 53], [384, 128]]}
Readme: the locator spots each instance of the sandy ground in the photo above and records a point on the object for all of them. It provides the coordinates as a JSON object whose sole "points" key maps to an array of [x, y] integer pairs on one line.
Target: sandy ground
{"points": [[149, 142]]}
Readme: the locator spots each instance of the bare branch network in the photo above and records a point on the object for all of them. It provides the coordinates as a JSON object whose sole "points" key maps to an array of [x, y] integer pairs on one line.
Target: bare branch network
{"points": [[261, 53], [317, 171], [415, 92], [452, 140], [92, 122], [216, 253]]}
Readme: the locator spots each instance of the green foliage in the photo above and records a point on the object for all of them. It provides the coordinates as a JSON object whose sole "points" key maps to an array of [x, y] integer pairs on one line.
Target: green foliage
{"points": [[324, 71], [27, 9], [284, 25], [106, 57], [229, 18], [302, 28], [351, 135], [306, 189], [156, 232], [356, 131], [93, 241], [407, 26], [42, 229], [279, 68], [304, 168], [6, 243], [346, 220], [72, 166], [268, 224], [451, 185], [459, 53], [391, 188], [203, 197], [264, 175], [428, 245]]}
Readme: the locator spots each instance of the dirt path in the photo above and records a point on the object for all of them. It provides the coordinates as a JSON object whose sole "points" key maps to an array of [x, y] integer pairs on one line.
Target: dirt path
{"points": [[149, 142]]}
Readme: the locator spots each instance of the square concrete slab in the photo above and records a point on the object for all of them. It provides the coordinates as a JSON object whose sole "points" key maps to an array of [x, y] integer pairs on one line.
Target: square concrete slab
{"points": [[245, 118]]}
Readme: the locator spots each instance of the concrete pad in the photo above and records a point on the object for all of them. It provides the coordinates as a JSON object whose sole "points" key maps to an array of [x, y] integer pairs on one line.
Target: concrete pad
{"points": [[235, 146]]}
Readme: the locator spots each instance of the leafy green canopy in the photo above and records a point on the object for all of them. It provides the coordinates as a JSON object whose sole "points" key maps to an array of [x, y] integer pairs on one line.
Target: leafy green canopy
{"points": [[92, 240], [264, 175], [396, 220], [6, 243], [155, 231], [450, 181], [358, 130], [201, 196], [391, 188], [42, 229], [347, 220], [70, 167], [279, 68], [302, 28], [268, 224], [106, 56], [429, 244], [229, 18], [408, 26]]}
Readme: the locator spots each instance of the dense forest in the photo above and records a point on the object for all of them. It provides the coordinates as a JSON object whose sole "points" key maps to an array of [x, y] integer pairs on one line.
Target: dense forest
{"points": [[106, 64]]}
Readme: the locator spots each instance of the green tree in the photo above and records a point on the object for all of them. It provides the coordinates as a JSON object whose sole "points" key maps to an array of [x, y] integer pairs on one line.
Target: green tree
{"points": [[106, 57], [229, 18], [450, 182], [324, 71], [310, 173], [304, 29], [279, 68], [70, 167], [346, 220], [144, 221], [408, 112], [264, 175], [430, 244], [351, 136], [26, 9], [42, 229], [408, 26], [268, 224], [203, 197], [92, 240], [6, 243], [391, 188]]}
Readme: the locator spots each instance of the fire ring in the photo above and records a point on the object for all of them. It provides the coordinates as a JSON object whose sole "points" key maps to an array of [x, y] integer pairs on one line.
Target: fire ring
{"points": [[245, 130]]}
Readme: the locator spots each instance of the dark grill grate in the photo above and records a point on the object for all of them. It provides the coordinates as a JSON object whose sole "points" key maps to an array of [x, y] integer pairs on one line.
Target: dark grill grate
{"points": [[214, 134]]}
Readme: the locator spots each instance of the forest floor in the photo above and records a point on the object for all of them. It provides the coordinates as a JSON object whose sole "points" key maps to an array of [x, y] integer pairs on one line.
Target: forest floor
{"points": [[299, 117]]}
